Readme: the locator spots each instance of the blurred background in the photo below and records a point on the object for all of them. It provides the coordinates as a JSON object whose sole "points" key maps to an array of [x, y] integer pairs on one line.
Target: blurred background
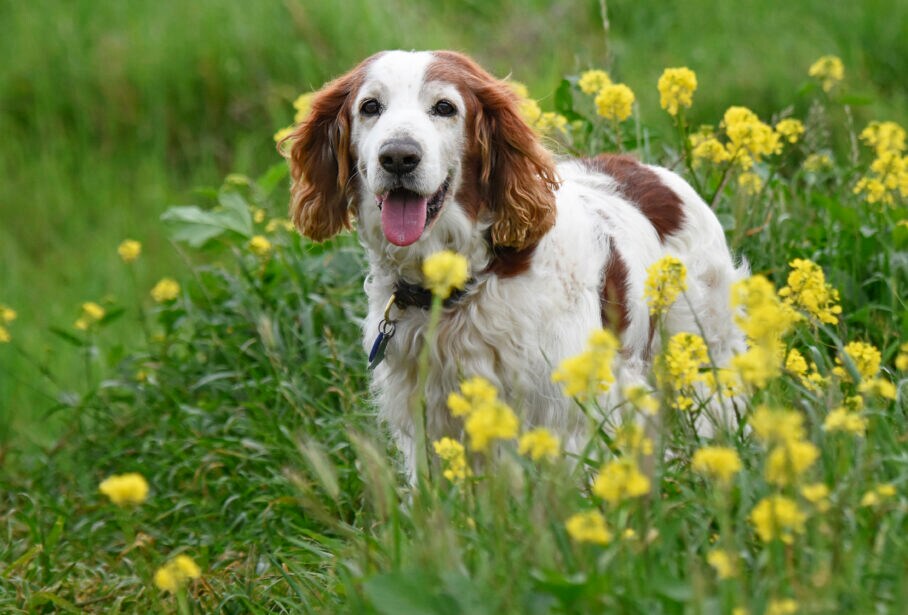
{"points": [[112, 111]]}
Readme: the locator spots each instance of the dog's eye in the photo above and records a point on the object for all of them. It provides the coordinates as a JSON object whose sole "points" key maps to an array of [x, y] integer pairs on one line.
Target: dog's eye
{"points": [[370, 107], [444, 108]]}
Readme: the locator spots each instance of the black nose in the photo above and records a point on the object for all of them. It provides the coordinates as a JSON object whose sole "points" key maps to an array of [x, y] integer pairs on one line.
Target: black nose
{"points": [[400, 156]]}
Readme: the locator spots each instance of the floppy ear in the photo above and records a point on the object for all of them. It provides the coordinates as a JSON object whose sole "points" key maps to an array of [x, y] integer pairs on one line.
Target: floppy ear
{"points": [[320, 161], [517, 174]]}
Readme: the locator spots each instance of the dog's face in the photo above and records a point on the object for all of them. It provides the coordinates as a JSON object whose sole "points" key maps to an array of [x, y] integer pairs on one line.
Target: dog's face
{"points": [[409, 139]]}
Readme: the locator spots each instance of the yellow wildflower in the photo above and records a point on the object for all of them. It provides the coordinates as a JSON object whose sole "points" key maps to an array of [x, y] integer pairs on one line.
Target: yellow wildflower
{"points": [[884, 137], [718, 462], [129, 250], [641, 399], [620, 479], [7, 314], [724, 562], [444, 271], [751, 183], [260, 246], [176, 573], [777, 517], [549, 122], [807, 290], [91, 314], [710, 149], [529, 110], [684, 355], [790, 129], [865, 358], [818, 495], [5, 337], [814, 163], [588, 526], [796, 363], [665, 280], [676, 89], [782, 607], [829, 70], [538, 443], [453, 454], [302, 105], [283, 133], [756, 365], [519, 89], [901, 361], [878, 387], [167, 289], [774, 426], [258, 215], [615, 102], [749, 138], [726, 382], [124, 489], [765, 319], [843, 419], [490, 421], [788, 461], [278, 223], [631, 440], [592, 81], [878, 494], [590, 372]]}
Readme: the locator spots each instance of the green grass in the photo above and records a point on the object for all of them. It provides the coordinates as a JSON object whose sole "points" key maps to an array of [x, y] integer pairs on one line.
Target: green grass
{"points": [[244, 401]]}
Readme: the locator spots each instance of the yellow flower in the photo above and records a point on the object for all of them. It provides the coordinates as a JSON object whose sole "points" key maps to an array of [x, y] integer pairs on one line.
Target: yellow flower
{"points": [[829, 70], [878, 494], [453, 454], [665, 280], [490, 421], [278, 223], [749, 138], [124, 489], [529, 110], [302, 105], [615, 102], [167, 289], [814, 163], [589, 373], [588, 526], [129, 250], [680, 364], [641, 399], [724, 562], [258, 215], [788, 461], [790, 129], [93, 311], [796, 363], [549, 121], [7, 314], [843, 419], [592, 81], [519, 89], [773, 426], [751, 183], [474, 392], [884, 137], [676, 89], [176, 573], [260, 246], [777, 517], [765, 319], [818, 495], [865, 357], [782, 607], [710, 149], [756, 366], [718, 462], [901, 361], [444, 271], [631, 439], [283, 133], [807, 290], [620, 479], [538, 443], [878, 387], [5, 337]]}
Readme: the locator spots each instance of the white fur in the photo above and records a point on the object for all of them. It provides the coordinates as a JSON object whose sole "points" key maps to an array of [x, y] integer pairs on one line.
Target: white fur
{"points": [[515, 330]]}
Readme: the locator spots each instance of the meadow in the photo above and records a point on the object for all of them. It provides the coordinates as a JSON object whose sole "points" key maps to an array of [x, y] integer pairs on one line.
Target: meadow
{"points": [[220, 358]]}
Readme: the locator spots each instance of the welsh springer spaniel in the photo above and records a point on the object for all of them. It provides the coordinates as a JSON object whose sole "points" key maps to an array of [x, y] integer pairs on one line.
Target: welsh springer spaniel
{"points": [[428, 152]]}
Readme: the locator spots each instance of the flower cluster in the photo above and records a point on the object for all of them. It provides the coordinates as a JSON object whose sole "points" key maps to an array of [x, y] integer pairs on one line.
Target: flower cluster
{"points": [[665, 280], [173, 575], [92, 313], [129, 250], [679, 366], [589, 526], [167, 289], [125, 489], [888, 177], [7, 315], [676, 89], [486, 418], [829, 70], [615, 102], [538, 443], [778, 517], [260, 246], [444, 271], [454, 456], [717, 462], [620, 479], [808, 291], [589, 373]]}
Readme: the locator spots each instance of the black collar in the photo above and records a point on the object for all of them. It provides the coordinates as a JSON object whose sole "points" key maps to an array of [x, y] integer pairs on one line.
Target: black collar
{"points": [[406, 295]]}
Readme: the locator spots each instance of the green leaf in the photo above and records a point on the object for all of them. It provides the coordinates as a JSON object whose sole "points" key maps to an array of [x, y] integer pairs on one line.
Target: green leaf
{"points": [[236, 215], [42, 598], [564, 101], [53, 537], [268, 180], [192, 225], [68, 337]]}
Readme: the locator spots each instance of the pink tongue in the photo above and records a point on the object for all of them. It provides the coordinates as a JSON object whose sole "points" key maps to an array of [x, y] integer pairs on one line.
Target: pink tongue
{"points": [[403, 217]]}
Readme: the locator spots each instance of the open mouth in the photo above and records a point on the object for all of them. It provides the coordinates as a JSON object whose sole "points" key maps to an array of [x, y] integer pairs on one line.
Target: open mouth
{"points": [[406, 214]]}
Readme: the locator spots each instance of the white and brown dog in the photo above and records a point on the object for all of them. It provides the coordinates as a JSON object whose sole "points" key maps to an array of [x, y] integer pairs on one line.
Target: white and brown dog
{"points": [[428, 152]]}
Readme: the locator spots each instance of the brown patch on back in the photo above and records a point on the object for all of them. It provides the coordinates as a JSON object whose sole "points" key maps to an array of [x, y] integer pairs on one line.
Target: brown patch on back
{"points": [[613, 296], [642, 187], [510, 262]]}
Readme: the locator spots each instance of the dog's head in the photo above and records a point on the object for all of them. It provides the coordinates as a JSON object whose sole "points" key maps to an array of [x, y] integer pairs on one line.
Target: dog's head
{"points": [[405, 138]]}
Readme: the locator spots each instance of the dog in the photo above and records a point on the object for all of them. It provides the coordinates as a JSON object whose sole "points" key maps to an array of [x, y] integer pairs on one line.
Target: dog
{"points": [[427, 151]]}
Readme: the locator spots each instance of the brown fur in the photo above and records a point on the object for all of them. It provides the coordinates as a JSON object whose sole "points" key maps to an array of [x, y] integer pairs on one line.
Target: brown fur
{"points": [[613, 297], [515, 174], [643, 188]]}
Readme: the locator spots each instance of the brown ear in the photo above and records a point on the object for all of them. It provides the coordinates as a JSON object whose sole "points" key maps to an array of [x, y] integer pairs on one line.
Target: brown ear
{"points": [[320, 161], [518, 174]]}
